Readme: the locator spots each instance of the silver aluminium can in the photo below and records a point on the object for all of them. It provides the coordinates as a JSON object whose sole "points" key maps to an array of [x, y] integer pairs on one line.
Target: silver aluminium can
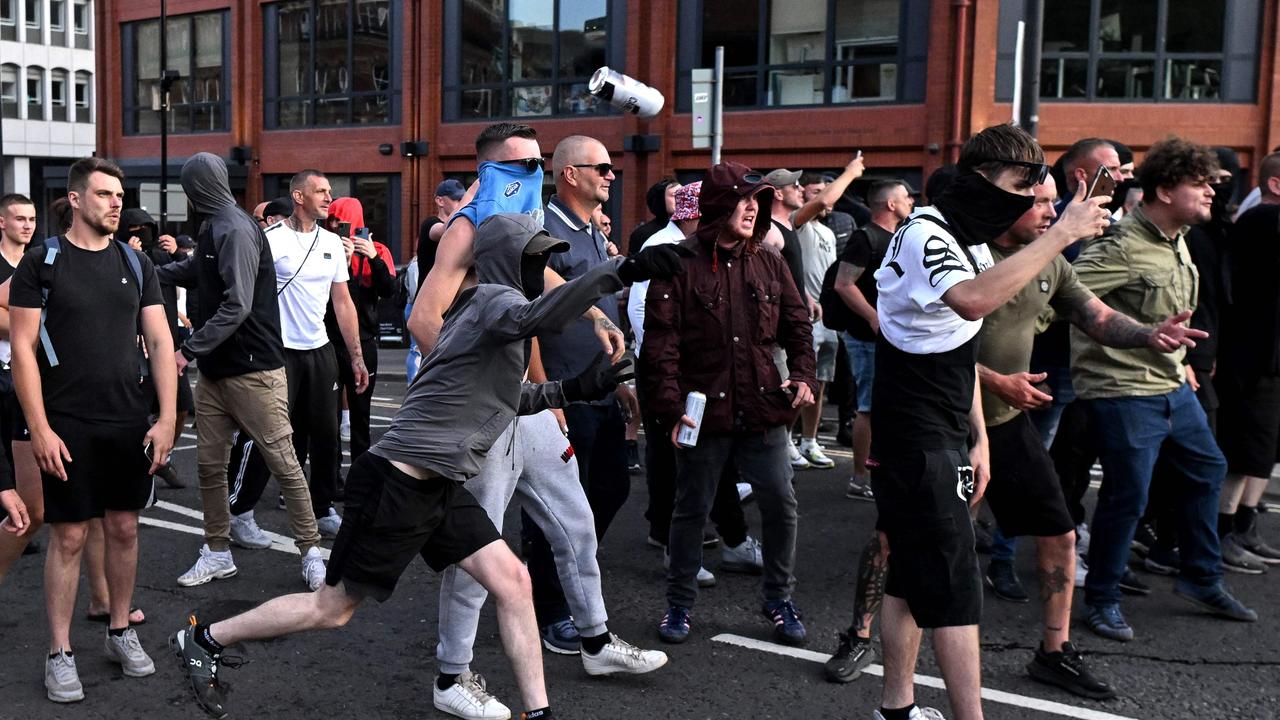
{"points": [[694, 406]]}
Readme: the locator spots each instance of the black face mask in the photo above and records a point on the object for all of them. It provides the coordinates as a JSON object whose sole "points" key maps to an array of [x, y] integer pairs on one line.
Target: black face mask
{"points": [[1224, 193], [979, 211], [144, 236], [532, 269]]}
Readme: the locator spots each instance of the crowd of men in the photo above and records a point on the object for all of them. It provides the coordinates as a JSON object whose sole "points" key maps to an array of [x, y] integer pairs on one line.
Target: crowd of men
{"points": [[1012, 326]]}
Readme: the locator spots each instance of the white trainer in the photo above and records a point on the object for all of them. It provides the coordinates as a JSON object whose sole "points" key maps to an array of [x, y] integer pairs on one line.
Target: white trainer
{"points": [[620, 656], [745, 492], [329, 524], [705, 578], [468, 698], [813, 453], [313, 569], [127, 650], [210, 566], [745, 558], [246, 533], [797, 460], [917, 713], [61, 681]]}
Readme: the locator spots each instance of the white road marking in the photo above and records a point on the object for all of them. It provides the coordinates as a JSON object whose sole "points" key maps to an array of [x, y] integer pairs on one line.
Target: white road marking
{"points": [[279, 542], [999, 696], [183, 447]]}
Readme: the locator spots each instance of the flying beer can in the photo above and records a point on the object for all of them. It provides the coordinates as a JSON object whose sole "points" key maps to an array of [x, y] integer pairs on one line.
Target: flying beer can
{"points": [[625, 93], [694, 405]]}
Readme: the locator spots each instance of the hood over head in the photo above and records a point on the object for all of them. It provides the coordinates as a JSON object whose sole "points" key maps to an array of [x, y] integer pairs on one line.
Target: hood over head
{"points": [[349, 210], [724, 185], [656, 198], [204, 179], [134, 217], [1224, 198], [508, 246]]}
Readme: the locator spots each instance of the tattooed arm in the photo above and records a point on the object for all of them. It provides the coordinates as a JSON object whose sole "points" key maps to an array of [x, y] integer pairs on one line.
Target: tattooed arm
{"points": [[611, 338], [1115, 329]]}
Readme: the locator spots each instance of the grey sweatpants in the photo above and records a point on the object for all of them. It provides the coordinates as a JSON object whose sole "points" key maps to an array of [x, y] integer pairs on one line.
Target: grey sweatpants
{"points": [[531, 458]]}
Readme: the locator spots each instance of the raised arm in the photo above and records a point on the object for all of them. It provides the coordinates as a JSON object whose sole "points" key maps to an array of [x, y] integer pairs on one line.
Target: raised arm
{"points": [[831, 193]]}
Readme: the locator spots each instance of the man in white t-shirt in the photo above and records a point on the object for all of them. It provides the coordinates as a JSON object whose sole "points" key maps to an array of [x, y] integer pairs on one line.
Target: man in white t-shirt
{"points": [[311, 271], [930, 454]]}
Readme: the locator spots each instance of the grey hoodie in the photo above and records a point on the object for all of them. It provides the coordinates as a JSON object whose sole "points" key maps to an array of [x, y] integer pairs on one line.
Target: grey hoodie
{"points": [[234, 275], [469, 388]]}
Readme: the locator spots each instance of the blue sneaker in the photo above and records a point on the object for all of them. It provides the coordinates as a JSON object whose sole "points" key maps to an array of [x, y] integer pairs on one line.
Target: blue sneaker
{"points": [[1216, 599], [787, 628], [674, 627], [1107, 621], [562, 638]]}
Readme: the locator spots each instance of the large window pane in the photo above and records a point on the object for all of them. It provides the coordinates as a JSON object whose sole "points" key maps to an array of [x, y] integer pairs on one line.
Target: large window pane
{"points": [[795, 87], [84, 104], [197, 95], [293, 48], [35, 93], [532, 39], [865, 82], [1064, 77], [9, 91], [1126, 79], [1128, 25], [583, 36], [1192, 80], [58, 96], [371, 61], [1066, 26], [797, 32], [8, 19], [740, 89], [735, 25], [1195, 26], [482, 22]]}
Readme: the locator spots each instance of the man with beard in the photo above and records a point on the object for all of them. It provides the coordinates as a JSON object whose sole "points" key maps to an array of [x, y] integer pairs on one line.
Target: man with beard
{"points": [[935, 286], [1139, 399]]}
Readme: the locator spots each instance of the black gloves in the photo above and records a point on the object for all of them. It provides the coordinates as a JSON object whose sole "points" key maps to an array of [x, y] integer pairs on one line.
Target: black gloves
{"points": [[598, 380], [661, 261]]}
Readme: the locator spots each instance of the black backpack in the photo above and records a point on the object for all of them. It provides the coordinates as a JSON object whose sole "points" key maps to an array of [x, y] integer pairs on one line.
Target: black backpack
{"points": [[836, 315]]}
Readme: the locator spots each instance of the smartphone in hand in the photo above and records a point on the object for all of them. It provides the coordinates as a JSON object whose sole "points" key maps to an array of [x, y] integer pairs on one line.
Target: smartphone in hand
{"points": [[1103, 184], [344, 229]]}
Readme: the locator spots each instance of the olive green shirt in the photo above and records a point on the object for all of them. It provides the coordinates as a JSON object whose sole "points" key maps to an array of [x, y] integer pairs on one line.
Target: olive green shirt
{"points": [[1007, 334], [1138, 270]]}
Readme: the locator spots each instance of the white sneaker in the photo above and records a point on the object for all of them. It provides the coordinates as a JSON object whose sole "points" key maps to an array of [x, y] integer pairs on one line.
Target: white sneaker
{"points": [[344, 431], [329, 524], [620, 656], [127, 650], [797, 460], [812, 452], [1082, 539], [745, 558], [468, 698], [61, 681], [1082, 570], [744, 492], [246, 533], [917, 713], [313, 569], [705, 578], [211, 566]]}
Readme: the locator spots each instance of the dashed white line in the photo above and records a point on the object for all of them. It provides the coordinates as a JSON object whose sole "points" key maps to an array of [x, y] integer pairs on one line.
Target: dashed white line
{"points": [[998, 696]]}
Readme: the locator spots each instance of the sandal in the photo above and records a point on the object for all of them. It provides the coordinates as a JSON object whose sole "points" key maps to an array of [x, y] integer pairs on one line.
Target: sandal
{"points": [[106, 617]]}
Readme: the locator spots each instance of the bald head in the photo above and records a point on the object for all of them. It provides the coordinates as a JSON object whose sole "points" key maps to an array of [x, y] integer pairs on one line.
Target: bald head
{"points": [[584, 173], [1269, 175], [576, 150]]}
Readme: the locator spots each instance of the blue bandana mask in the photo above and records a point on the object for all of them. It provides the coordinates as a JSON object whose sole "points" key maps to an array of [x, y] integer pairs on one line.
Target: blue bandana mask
{"points": [[505, 188]]}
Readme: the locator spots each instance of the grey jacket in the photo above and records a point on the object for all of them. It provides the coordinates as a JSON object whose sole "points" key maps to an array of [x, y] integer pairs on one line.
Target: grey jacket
{"points": [[469, 388], [233, 275]]}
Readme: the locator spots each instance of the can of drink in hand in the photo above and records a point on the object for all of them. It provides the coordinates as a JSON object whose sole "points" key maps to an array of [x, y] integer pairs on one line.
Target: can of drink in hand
{"points": [[694, 405]]}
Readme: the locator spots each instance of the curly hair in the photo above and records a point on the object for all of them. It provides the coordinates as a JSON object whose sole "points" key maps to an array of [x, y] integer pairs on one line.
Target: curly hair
{"points": [[1173, 161]]}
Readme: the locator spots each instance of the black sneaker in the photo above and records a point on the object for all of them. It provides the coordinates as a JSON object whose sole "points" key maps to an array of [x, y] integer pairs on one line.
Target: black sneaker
{"points": [[851, 657], [201, 669], [1003, 581], [1131, 585], [1253, 542], [1066, 669], [633, 457]]}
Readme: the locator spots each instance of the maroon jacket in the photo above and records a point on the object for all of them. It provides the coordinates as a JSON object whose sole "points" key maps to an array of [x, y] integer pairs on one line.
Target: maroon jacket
{"points": [[714, 328]]}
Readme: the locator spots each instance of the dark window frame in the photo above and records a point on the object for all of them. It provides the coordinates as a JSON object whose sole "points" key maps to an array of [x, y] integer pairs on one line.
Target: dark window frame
{"points": [[60, 112], [82, 35], [913, 46], [271, 79], [12, 107], [128, 43], [83, 111], [1239, 57], [453, 87]]}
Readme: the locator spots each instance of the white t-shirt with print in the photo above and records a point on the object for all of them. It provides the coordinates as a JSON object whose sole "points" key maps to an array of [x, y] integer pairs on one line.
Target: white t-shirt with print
{"points": [[317, 260], [922, 263]]}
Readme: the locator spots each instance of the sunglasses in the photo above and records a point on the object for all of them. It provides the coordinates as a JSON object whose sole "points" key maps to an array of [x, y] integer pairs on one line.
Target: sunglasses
{"points": [[602, 168], [1036, 172], [529, 164]]}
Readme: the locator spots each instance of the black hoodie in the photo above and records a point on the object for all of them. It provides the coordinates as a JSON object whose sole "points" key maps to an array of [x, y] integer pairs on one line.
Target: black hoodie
{"points": [[134, 217], [656, 200], [235, 277]]}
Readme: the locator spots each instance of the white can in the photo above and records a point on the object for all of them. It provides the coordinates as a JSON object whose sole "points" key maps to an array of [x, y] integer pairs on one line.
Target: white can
{"points": [[694, 405], [625, 93]]}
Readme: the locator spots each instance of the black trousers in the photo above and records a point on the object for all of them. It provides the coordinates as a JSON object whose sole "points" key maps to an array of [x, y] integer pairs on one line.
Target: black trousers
{"points": [[598, 436], [843, 390], [358, 403], [313, 412], [1074, 451]]}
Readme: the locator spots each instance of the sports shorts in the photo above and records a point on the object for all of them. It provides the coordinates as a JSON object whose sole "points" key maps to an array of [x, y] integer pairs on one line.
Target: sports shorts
{"points": [[108, 470], [390, 517], [824, 349], [1024, 492], [1248, 422], [922, 497]]}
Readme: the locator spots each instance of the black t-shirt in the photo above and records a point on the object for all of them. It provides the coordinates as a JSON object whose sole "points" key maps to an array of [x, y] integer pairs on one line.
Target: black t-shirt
{"points": [[793, 254], [1250, 342], [866, 249], [426, 249], [93, 325], [922, 402]]}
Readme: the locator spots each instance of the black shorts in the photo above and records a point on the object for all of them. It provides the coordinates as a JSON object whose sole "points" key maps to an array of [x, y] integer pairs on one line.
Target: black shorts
{"points": [[922, 498], [1024, 493], [186, 401], [1249, 422], [390, 517], [108, 470]]}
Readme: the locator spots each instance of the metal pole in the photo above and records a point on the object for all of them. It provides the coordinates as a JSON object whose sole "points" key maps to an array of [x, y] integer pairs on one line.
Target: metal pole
{"points": [[1030, 90], [717, 111], [1017, 71], [164, 115]]}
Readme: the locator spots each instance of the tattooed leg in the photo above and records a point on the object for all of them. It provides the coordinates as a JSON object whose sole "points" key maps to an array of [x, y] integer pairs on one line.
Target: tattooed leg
{"points": [[1056, 571], [873, 568]]}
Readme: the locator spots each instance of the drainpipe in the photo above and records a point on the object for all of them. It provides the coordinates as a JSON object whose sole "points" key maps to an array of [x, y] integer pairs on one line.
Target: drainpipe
{"points": [[959, 77]]}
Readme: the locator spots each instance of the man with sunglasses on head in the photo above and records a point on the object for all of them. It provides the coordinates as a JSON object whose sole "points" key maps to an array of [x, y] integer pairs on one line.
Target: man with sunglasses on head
{"points": [[929, 453]]}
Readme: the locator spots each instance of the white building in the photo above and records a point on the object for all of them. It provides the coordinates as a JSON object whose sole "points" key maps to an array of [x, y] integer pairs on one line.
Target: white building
{"points": [[46, 88]]}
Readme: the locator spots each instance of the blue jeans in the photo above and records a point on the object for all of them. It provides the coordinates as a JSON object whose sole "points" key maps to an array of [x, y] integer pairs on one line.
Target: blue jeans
{"points": [[413, 360], [1130, 432], [862, 361]]}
